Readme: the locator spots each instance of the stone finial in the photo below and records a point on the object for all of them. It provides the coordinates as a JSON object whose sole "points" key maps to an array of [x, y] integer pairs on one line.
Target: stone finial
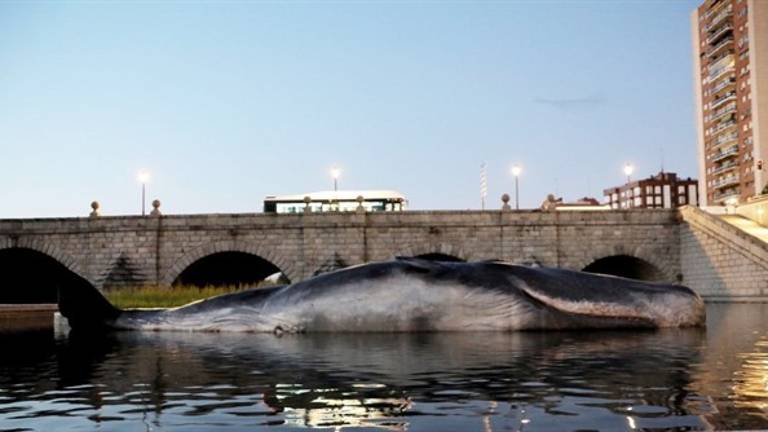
{"points": [[360, 208], [155, 208], [307, 200], [95, 209], [505, 200]]}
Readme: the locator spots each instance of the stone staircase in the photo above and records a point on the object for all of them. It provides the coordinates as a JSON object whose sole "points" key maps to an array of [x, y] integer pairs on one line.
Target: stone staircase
{"points": [[748, 226], [723, 257]]}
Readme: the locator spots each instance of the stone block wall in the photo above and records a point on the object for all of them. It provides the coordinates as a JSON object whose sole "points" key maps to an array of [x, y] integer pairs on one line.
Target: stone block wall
{"points": [[720, 261], [135, 250]]}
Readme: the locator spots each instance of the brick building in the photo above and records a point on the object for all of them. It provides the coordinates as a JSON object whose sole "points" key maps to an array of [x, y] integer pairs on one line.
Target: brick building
{"points": [[664, 190], [730, 56]]}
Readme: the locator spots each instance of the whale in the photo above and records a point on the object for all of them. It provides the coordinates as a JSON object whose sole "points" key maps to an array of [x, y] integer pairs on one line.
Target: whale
{"points": [[413, 295]]}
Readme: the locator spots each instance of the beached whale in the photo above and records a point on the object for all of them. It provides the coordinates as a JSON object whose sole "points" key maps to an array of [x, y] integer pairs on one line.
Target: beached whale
{"points": [[411, 295]]}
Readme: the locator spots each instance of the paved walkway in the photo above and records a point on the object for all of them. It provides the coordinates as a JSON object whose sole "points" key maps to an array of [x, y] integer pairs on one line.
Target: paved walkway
{"points": [[747, 225]]}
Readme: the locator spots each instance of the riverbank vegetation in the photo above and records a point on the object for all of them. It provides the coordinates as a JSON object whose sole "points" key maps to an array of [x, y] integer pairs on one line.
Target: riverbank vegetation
{"points": [[163, 297]]}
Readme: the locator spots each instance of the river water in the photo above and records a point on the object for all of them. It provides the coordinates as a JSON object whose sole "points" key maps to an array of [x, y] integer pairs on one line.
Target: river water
{"points": [[660, 380]]}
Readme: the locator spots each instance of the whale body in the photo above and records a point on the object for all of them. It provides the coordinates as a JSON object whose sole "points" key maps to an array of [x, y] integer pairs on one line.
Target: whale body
{"points": [[412, 295]]}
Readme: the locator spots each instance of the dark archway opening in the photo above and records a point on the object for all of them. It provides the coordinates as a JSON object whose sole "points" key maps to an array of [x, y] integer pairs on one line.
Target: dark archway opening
{"points": [[230, 269], [626, 266], [28, 277], [437, 256]]}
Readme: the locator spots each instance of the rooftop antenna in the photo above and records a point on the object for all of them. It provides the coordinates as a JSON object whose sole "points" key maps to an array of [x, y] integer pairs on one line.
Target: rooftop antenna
{"points": [[661, 150], [483, 185]]}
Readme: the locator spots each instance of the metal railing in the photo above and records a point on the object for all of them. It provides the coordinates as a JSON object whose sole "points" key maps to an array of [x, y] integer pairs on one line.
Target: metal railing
{"points": [[723, 111], [725, 167], [724, 99], [722, 62], [717, 73], [723, 126], [724, 84], [714, 49], [733, 136], [727, 181], [718, 18], [725, 195], [719, 33], [717, 8], [727, 153]]}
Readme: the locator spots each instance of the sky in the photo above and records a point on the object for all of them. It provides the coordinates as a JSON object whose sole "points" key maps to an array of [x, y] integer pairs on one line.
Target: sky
{"points": [[225, 103]]}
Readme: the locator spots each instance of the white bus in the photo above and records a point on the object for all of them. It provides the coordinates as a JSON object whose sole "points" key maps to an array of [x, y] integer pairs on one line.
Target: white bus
{"points": [[327, 201]]}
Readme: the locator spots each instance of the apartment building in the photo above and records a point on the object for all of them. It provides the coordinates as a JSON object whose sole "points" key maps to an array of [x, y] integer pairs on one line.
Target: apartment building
{"points": [[730, 53], [663, 190]]}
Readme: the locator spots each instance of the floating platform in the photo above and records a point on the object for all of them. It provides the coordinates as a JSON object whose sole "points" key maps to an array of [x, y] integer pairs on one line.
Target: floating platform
{"points": [[19, 317]]}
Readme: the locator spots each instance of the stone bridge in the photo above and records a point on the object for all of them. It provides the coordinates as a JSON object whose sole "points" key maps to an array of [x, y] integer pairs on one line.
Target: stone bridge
{"points": [[244, 248]]}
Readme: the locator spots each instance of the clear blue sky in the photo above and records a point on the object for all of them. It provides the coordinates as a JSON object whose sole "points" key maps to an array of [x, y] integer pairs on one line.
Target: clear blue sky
{"points": [[228, 102]]}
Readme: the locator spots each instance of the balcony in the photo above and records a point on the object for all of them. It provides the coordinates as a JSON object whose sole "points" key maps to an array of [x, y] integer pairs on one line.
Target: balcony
{"points": [[715, 10], [725, 195], [727, 97], [725, 167], [715, 37], [719, 18], [726, 181], [723, 84], [720, 63], [719, 114], [730, 152], [723, 126], [720, 68], [724, 139], [715, 49]]}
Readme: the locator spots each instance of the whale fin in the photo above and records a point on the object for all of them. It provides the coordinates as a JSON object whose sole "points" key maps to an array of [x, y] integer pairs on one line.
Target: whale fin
{"points": [[85, 307]]}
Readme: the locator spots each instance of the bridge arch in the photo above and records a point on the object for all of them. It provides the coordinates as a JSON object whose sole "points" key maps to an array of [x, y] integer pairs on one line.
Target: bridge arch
{"points": [[34, 274], [658, 262], [447, 251], [44, 248], [215, 253], [626, 266]]}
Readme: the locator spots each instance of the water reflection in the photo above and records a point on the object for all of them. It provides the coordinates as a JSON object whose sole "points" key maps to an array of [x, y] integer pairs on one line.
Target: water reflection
{"points": [[734, 369], [686, 379]]}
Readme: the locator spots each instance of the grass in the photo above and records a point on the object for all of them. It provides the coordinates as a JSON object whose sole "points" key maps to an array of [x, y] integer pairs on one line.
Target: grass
{"points": [[164, 297]]}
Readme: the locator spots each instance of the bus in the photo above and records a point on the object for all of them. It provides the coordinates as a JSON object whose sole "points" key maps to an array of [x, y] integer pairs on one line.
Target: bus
{"points": [[330, 201]]}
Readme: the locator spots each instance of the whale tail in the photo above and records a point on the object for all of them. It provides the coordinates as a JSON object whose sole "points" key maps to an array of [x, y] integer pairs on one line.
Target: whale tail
{"points": [[85, 307]]}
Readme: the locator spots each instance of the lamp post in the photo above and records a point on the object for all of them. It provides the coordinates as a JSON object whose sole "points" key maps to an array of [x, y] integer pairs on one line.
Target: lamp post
{"points": [[516, 171], [335, 173], [628, 170], [143, 178]]}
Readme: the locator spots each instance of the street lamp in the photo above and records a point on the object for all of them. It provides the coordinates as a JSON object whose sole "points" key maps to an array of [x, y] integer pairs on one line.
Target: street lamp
{"points": [[143, 178], [516, 171], [335, 173], [628, 170]]}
